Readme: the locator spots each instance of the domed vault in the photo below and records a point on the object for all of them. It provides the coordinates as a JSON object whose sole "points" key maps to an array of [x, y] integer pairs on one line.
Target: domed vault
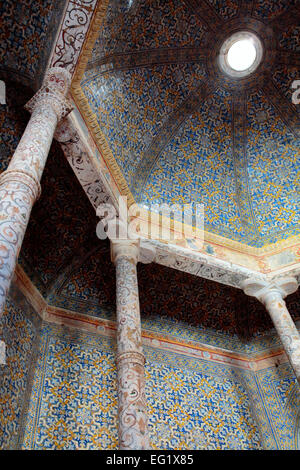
{"points": [[181, 130]]}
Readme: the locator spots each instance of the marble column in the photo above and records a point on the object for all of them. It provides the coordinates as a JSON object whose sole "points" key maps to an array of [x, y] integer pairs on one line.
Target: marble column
{"points": [[272, 296], [20, 183], [132, 409]]}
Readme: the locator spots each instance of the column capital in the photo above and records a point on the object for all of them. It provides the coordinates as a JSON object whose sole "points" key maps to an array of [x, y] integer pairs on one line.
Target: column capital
{"points": [[122, 245], [265, 290], [54, 90], [137, 250], [124, 248]]}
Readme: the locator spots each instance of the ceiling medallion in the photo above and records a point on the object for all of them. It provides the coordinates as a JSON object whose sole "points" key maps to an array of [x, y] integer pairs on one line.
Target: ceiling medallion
{"points": [[240, 54]]}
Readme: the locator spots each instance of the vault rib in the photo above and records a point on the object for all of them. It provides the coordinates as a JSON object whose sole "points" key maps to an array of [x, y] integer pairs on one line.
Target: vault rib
{"points": [[148, 58], [239, 151]]}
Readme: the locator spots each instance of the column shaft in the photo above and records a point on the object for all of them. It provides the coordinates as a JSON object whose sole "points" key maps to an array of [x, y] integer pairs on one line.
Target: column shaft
{"points": [[271, 294], [285, 328], [133, 433], [20, 183]]}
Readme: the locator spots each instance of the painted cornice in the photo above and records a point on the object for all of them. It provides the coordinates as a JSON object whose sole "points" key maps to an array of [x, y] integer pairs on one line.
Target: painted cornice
{"points": [[166, 342]]}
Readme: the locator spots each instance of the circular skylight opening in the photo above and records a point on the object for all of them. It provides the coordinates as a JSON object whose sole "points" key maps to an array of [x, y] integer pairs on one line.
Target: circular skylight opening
{"points": [[240, 54]]}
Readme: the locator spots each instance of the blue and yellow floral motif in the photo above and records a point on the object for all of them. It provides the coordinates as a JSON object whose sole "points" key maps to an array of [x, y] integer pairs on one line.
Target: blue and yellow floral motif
{"points": [[180, 133]]}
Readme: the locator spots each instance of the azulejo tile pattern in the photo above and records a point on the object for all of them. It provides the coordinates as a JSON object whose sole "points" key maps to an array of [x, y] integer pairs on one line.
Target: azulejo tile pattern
{"points": [[275, 402], [20, 335], [140, 24], [144, 119], [196, 405], [92, 288], [226, 8], [121, 99], [269, 9], [74, 398], [273, 169], [73, 402], [289, 39], [197, 166]]}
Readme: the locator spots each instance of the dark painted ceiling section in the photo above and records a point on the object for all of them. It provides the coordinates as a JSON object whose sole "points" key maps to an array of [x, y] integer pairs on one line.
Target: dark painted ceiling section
{"points": [[13, 120], [61, 226], [28, 30], [88, 287]]}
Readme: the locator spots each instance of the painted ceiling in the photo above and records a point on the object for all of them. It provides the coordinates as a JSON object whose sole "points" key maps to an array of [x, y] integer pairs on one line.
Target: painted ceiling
{"points": [[168, 297], [62, 224], [13, 120], [72, 269], [182, 132]]}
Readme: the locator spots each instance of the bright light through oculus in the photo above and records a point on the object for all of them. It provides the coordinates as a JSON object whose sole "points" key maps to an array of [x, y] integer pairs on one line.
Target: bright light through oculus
{"points": [[241, 55]]}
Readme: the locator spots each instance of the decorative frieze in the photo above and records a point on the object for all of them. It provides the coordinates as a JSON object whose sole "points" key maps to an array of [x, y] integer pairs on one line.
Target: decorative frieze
{"points": [[72, 34], [80, 159]]}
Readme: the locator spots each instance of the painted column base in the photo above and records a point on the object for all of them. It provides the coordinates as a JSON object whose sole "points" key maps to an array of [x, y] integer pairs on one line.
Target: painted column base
{"points": [[132, 406]]}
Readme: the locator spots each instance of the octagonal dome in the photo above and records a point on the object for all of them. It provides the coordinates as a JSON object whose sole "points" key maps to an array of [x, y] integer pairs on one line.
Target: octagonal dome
{"points": [[183, 131]]}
